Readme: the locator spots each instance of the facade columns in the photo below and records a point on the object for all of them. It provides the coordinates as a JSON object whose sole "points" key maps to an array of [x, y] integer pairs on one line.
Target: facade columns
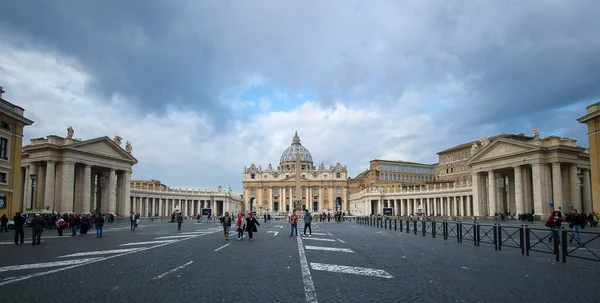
{"points": [[519, 190], [557, 188], [476, 197], [540, 197], [112, 193], [49, 184], [68, 186], [87, 188], [574, 187], [126, 193], [587, 191], [492, 192]]}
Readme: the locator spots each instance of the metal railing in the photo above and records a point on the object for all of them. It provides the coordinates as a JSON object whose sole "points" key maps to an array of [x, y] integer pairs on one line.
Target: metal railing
{"points": [[524, 238]]}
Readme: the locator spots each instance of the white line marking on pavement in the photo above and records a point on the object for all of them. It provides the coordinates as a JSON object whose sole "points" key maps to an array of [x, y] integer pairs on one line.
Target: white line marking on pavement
{"points": [[193, 233], [173, 270], [330, 234], [147, 242], [320, 239], [169, 237], [273, 232], [309, 287], [101, 252], [351, 270], [341, 241], [328, 248], [46, 264], [91, 260], [319, 234], [221, 247]]}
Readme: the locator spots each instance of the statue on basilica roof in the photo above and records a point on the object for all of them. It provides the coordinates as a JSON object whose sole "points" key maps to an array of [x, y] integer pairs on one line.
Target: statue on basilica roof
{"points": [[474, 148], [117, 140], [70, 132], [270, 167], [536, 133], [128, 147], [485, 141], [322, 166]]}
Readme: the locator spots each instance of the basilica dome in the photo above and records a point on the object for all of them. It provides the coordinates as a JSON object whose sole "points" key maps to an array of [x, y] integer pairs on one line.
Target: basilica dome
{"points": [[289, 155]]}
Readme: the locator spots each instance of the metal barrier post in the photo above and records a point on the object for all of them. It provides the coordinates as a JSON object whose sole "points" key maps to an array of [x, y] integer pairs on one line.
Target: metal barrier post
{"points": [[499, 238], [495, 236], [555, 241], [477, 232], [401, 225], [395, 225], [564, 245], [459, 229], [521, 240], [407, 226], [385, 223], [423, 228], [527, 241], [433, 229], [415, 226]]}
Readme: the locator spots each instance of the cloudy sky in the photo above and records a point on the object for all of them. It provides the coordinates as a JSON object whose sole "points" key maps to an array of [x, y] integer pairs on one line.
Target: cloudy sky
{"points": [[204, 88]]}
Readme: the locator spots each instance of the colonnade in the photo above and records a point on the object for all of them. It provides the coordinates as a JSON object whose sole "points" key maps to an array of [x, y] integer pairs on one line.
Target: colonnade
{"points": [[281, 199]]}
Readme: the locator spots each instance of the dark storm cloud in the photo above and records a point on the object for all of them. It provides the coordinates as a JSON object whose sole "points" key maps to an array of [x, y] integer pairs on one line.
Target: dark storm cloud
{"points": [[510, 59]]}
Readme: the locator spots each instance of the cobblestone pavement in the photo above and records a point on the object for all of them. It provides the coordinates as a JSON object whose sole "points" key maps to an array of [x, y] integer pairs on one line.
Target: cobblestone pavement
{"points": [[339, 262]]}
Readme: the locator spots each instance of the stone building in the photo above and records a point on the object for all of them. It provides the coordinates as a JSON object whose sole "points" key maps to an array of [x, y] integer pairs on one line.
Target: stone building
{"points": [[153, 198], [592, 119], [295, 184], [73, 175], [508, 174], [12, 123], [390, 175]]}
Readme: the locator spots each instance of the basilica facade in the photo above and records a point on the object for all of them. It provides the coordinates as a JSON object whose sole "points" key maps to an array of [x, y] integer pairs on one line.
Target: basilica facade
{"points": [[296, 184]]}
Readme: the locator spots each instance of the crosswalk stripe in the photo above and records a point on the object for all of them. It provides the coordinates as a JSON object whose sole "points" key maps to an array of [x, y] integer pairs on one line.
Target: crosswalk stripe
{"points": [[147, 242], [178, 236], [46, 264], [351, 270], [328, 248], [320, 239], [319, 234], [101, 252]]}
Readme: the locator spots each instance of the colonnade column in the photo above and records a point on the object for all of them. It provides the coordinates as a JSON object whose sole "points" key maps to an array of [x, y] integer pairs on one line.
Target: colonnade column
{"points": [[574, 187], [126, 192], [492, 186], [476, 183], [49, 186], [519, 190], [68, 186], [112, 193], [557, 189], [87, 188], [587, 191], [539, 195]]}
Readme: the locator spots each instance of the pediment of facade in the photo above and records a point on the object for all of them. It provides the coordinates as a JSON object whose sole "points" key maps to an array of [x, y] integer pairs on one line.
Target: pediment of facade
{"points": [[103, 146], [501, 148]]}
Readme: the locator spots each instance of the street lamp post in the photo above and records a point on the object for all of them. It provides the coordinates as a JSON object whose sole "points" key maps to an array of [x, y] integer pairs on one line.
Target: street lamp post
{"points": [[33, 188]]}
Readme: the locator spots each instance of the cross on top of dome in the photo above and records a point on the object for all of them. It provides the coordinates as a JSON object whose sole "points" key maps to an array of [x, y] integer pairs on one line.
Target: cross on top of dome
{"points": [[296, 138]]}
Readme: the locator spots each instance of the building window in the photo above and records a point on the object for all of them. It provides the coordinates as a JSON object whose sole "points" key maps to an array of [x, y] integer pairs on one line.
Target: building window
{"points": [[338, 175], [3, 178], [265, 176], [4, 125], [3, 148], [252, 176], [275, 191], [252, 192], [315, 191], [339, 191]]}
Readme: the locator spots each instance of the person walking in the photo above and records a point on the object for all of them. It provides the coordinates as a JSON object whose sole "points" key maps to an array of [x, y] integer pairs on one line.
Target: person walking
{"points": [[133, 218], [251, 224], [554, 223], [60, 225], [576, 223], [307, 222], [294, 224], [19, 221], [99, 220], [37, 227], [240, 224], [226, 221], [3, 223], [179, 221]]}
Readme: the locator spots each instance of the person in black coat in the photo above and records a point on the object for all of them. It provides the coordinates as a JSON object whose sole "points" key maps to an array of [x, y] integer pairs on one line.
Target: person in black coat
{"points": [[37, 227], [251, 224], [19, 222]]}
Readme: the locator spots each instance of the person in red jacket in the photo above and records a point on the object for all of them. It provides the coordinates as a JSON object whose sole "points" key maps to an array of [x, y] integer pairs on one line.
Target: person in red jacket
{"points": [[554, 222], [294, 223]]}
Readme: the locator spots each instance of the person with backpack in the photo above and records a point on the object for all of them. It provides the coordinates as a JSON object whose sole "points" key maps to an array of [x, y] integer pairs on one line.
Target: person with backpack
{"points": [[226, 222], [61, 224], [99, 220], [307, 222]]}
